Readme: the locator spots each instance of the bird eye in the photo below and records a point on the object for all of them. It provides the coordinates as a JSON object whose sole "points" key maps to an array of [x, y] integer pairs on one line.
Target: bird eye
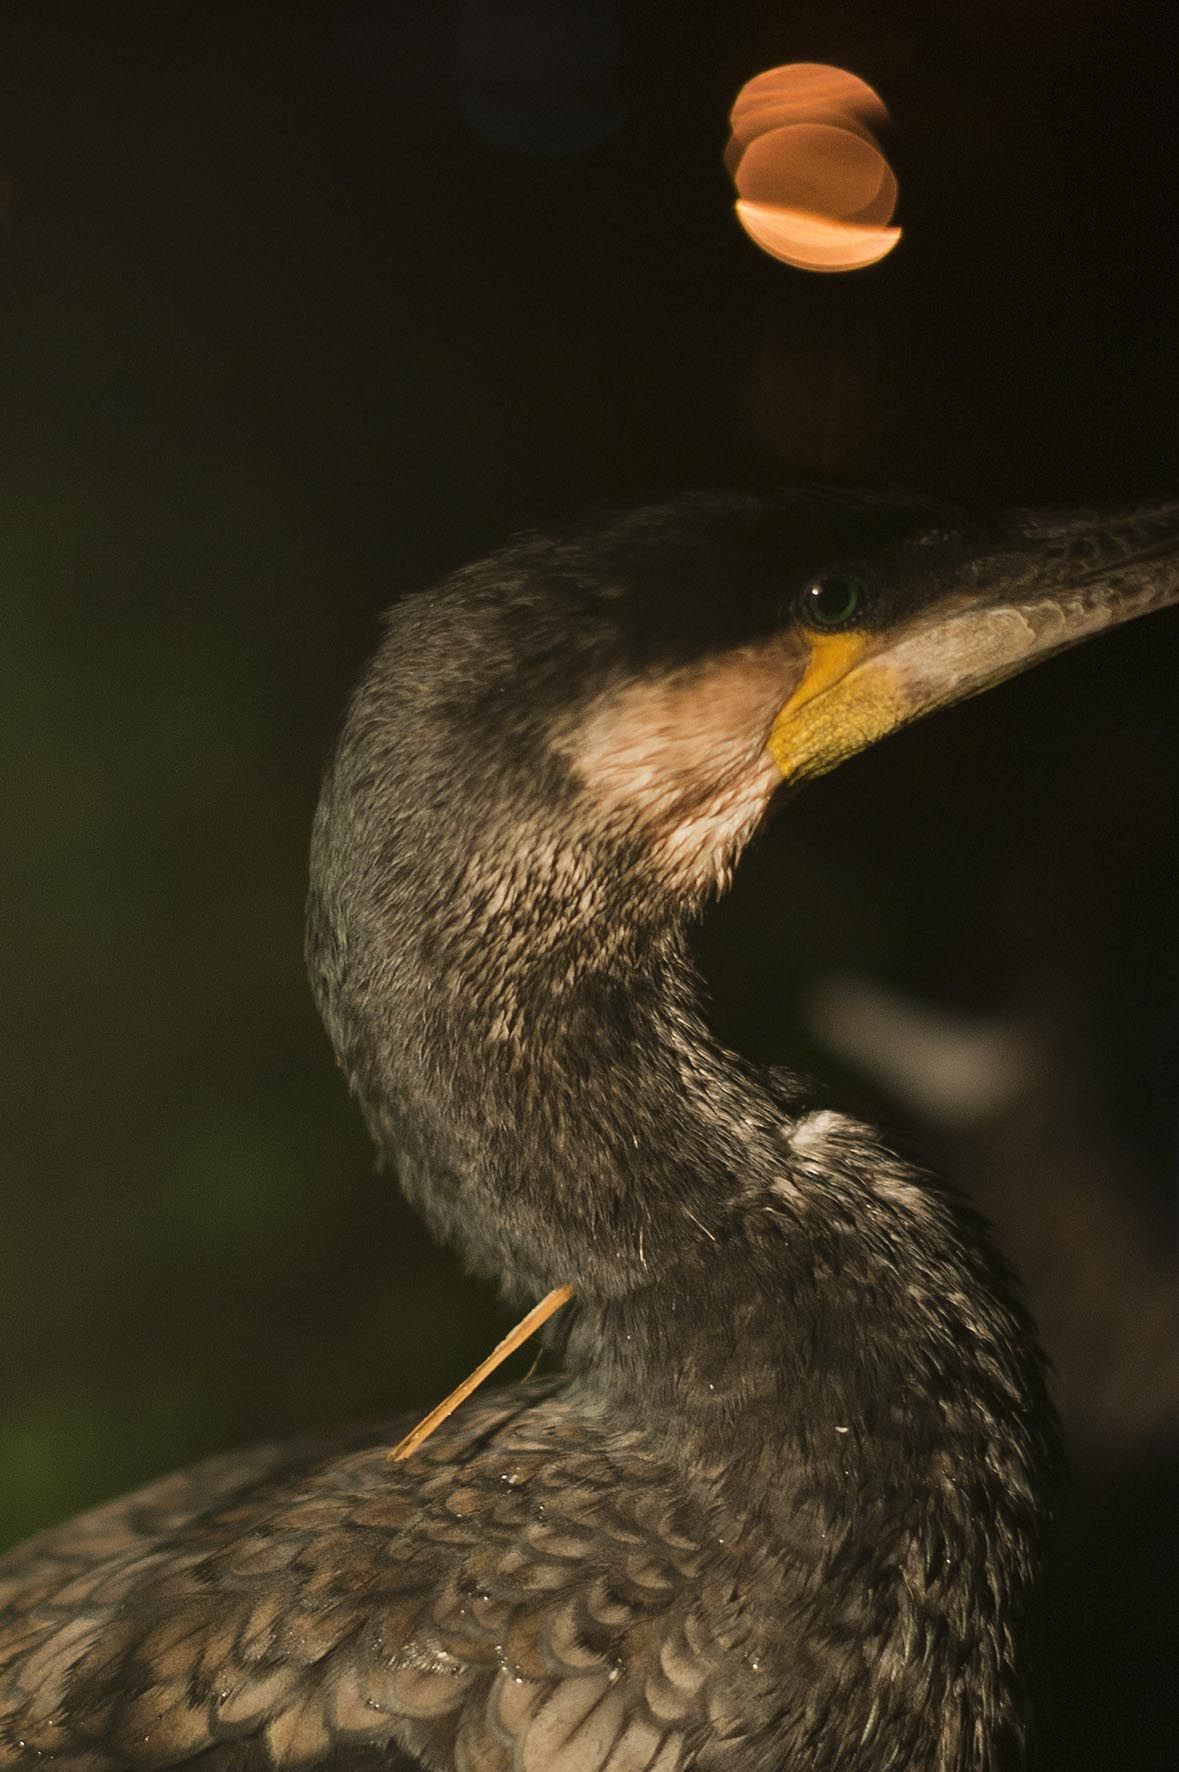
{"points": [[831, 602]]}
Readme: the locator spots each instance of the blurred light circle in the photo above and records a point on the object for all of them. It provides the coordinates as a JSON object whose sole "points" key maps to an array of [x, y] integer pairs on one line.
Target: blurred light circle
{"points": [[814, 187], [816, 167]]}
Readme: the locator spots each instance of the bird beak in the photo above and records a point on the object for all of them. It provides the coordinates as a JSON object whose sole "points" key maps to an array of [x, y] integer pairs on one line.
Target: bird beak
{"points": [[1052, 580]]}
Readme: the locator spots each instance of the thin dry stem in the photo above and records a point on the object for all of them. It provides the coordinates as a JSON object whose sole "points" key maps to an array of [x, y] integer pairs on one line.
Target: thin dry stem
{"points": [[538, 1315]]}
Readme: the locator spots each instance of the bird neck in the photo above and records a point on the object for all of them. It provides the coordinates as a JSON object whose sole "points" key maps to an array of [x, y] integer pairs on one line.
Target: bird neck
{"points": [[522, 1024], [568, 1117], [563, 1114]]}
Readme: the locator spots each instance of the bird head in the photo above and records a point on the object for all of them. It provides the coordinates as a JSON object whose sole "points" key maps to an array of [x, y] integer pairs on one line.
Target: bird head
{"points": [[594, 723]]}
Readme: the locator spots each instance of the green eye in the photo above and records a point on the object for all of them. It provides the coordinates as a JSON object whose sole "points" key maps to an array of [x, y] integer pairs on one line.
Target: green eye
{"points": [[832, 602]]}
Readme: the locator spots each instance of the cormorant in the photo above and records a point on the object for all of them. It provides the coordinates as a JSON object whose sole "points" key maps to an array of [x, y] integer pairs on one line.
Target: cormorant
{"points": [[783, 1508]]}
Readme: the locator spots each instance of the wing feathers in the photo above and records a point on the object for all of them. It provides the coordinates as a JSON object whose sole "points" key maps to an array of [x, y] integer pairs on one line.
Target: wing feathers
{"points": [[503, 1605]]}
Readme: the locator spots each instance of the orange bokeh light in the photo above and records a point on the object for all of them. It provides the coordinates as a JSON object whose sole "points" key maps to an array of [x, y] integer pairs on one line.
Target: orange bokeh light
{"points": [[813, 187]]}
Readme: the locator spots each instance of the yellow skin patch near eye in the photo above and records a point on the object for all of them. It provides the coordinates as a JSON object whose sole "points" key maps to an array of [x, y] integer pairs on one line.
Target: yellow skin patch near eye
{"points": [[841, 706]]}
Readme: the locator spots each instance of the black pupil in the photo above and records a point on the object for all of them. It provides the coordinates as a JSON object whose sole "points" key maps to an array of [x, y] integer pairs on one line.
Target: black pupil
{"points": [[830, 602]]}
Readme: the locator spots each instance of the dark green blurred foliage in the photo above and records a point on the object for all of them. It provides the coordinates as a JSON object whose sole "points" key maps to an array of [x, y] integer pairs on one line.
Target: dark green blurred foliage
{"points": [[196, 1247], [281, 339]]}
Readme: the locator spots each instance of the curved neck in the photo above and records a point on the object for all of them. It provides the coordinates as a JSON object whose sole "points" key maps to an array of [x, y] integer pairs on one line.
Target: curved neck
{"points": [[569, 1119]]}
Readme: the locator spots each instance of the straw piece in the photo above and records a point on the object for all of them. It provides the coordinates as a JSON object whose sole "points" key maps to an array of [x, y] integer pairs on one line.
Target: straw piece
{"points": [[540, 1313]]}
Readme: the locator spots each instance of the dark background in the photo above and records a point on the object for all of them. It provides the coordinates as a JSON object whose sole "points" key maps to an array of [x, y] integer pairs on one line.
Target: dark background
{"points": [[300, 306]]}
